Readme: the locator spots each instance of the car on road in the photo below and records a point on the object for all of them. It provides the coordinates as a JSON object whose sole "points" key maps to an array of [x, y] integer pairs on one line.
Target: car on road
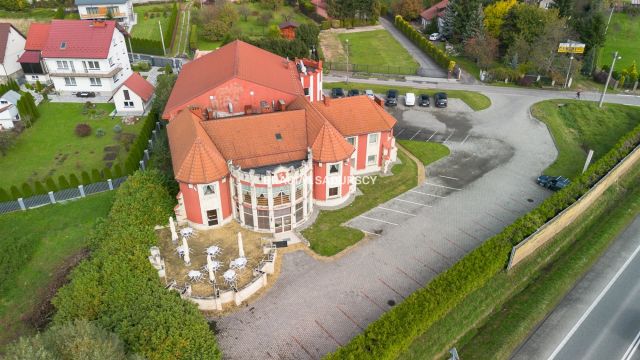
{"points": [[370, 94], [337, 93], [440, 100], [392, 98], [554, 183], [410, 99], [435, 37], [85, 94], [353, 92], [423, 100]]}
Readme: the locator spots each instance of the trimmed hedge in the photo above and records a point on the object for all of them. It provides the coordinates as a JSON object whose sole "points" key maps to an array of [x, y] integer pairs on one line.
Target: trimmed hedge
{"points": [[425, 45], [396, 329], [120, 290], [146, 46]]}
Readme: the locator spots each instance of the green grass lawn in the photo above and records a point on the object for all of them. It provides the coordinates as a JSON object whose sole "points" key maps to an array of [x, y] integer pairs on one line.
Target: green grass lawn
{"points": [[36, 13], [622, 36], [492, 321], [251, 27], [34, 246], [328, 236], [377, 52], [51, 148], [147, 26], [475, 100], [425, 152], [578, 126]]}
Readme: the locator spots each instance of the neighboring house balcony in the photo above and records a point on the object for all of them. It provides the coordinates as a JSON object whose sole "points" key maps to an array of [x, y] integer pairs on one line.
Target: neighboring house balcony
{"points": [[86, 72], [114, 15]]}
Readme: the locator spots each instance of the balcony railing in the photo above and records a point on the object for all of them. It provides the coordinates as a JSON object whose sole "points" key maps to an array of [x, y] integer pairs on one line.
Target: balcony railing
{"points": [[118, 14], [86, 72]]}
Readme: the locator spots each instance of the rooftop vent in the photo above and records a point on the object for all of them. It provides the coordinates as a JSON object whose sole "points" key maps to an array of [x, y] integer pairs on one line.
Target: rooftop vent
{"points": [[278, 136]]}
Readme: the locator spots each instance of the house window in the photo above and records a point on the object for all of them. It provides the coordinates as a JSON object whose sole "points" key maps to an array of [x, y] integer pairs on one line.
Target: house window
{"points": [[69, 81], [373, 138], [128, 104], [306, 91], [334, 168], [371, 160], [91, 65], [62, 65], [209, 189], [351, 140], [212, 217], [113, 10], [115, 78], [126, 94], [92, 10], [333, 191], [4, 102], [110, 61], [95, 81]]}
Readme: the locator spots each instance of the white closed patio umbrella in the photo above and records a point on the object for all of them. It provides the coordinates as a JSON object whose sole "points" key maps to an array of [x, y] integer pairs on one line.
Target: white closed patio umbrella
{"points": [[240, 247], [185, 246], [210, 268], [172, 225]]}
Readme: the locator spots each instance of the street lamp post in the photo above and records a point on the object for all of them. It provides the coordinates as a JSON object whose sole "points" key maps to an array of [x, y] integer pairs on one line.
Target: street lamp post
{"points": [[347, 60], [566, 80], [606, 85]]}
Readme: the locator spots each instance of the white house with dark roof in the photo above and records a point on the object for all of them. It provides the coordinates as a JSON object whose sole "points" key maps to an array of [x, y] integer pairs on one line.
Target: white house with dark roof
{"points": [[119, 10], [9, 110], [11, 48]]}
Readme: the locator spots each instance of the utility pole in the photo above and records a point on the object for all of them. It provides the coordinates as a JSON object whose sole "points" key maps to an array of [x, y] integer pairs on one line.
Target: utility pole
{"points": [[608, 22], [604, 91], [347, 60], [164, 51], [566, 80]]}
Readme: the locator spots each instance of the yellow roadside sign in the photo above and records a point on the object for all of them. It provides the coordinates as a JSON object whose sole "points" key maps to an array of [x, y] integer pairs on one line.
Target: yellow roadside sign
{"points": [[571, 48]]}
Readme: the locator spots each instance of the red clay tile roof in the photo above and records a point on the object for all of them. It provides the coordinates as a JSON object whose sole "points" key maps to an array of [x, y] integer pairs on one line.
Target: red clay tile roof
{"points": [[356, 115], [288, 24], [5, 29], [37, 36], [234, 60], [30, 57], [82, 39], [195, 159], [326, 143], [435, 10], [250, 141], [140, 86]]}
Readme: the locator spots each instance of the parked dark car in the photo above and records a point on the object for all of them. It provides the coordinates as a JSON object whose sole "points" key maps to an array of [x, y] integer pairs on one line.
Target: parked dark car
{"points": [[440, 100], [86, 94], [554, 183], [392, 98], [423, 100], [337, 93], [353, 92]]}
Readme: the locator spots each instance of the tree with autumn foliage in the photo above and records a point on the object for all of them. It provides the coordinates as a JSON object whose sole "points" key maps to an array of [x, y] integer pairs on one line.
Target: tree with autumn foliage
{"points": [[494, 15], [408, 9], [483, 48]]}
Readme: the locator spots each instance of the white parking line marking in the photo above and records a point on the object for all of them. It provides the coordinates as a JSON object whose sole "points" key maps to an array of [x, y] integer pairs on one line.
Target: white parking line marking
{"points": [[448, 177], [401, 131], [449, 137], [442, 186], [465, 139], [416, 134], [429, 139], [427, 194], [398, 211], [369, 232], [382, 221], [412, 202]]}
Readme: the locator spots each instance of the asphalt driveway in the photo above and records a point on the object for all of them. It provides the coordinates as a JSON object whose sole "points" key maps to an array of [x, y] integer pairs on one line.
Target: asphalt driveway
{"points": [[486, 183]]}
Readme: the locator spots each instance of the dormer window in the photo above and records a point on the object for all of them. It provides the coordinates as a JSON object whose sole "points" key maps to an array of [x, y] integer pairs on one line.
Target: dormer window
{"points": [[63, 45], [209, 189]]}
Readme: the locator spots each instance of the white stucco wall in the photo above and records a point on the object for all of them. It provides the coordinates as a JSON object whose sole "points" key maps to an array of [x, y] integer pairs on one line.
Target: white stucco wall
{"points": [[138, 103], [14, 49], [124, 14]]}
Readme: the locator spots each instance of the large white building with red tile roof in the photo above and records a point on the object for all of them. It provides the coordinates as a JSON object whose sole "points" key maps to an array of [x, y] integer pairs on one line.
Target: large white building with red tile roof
{"points": [[11, 48], [253, 140]]}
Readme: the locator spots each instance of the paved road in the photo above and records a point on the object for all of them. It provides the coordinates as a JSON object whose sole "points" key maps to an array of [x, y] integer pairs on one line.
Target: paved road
{"points": [[489, 90], [428, 67], [485, 184], [600, 318]]}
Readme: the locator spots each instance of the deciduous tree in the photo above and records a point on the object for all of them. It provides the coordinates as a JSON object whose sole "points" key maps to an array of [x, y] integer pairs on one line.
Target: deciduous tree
{"points": [[483, 48], [408, 9], [494, 15]]}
